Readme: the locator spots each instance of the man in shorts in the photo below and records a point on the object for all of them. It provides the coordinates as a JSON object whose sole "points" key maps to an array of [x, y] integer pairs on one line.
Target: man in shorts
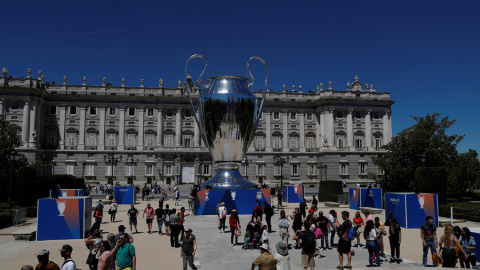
{"points": [[309, 246], [344, 243], [132, 217], [149, 212]]}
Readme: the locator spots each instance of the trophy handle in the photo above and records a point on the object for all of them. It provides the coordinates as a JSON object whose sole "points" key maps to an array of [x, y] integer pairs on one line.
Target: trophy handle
{"points": [[253, 82], [189, 86]]}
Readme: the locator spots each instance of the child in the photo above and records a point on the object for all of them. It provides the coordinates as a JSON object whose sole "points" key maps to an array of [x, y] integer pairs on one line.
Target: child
{"points": [[247, 239], [265, 234]]}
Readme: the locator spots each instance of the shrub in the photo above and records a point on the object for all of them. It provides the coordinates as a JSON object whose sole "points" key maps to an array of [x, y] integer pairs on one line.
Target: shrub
{"points": [[32, 211], [451, 200], [26, 186], [464, 199], [6, 219]]}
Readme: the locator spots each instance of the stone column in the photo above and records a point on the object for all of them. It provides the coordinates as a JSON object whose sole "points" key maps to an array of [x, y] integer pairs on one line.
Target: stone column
{"points": [[140, 128], [178, 128], [196, 132], [160, 127], [2, 114], [40, 120], [32, 128], [322, 130], [101, 137], [318, 129], [121, 130], [387, 127], [285, 131], [368, 130], [81, 135], [268, 135], [178, 170], [349, 129], [26, 122], [61, 126], [302, 131], [331, 130]]}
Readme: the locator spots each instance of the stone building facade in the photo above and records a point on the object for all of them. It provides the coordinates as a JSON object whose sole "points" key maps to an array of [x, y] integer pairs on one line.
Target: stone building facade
{"points": [[136, 135]]}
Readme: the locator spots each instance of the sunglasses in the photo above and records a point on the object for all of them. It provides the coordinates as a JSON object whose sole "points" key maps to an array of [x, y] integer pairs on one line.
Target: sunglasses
{"points": [[121, 238]]}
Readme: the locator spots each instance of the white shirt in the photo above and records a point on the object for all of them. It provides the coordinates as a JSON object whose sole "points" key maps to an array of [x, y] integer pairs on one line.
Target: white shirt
{"points": [[220, 211], [113, 206], [283, 262], [69, 265], [265, 235], [372, 235], [331, 222]]}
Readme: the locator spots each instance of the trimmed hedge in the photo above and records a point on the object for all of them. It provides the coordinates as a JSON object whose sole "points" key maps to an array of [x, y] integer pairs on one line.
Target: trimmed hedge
{"points": [[329, 191], [47, 182], [26, 186], [6, 219], [432, 180], [32, 211]]}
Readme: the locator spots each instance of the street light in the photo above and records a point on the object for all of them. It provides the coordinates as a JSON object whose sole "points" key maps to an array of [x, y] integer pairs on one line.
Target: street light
{"points": [[322, 166], [281, 161], [83, 170], [13, 158]]}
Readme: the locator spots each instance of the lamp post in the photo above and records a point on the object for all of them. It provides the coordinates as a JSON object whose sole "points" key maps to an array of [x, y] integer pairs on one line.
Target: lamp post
{"points": [[13, 158], [112, 160], [83, 170], [281, 161], [320, 167]]}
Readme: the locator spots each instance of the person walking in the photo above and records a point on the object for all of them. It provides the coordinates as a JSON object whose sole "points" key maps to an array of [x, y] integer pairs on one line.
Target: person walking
{"points": [[125, 253], [190, 203], [297, 224], [94, 242], [309, 246], [132, 214], [177, 196], [447, 244], [121, 231], [428, 233], [332, 226], [174, 218], [314, 203], [98, 214], [44, 262], [160, 213], [370, 236], [113, 210], [279, 199], [302, 207], [182, 216], [282, 258], [468, 243], [234, 222], [167, 219], [322, 223], [259, 210], [344, 243], [222, 216], [268, 215], [66, 253], [189, 249], [283, 227], [265, 261], [395, 238], [150, 213], [358, 226], [105, 261]]}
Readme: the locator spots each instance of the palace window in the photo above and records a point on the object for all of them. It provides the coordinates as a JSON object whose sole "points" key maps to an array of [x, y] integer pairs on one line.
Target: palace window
{"points": [[309, 116], [169, 112], [168, 169], [311, 169], [259, 142], [206, 169], [276, 115], [16, 105], [130, 171], [93, 111], [188, 113], [111, 140], [73, 110], [131, 111], [109, 170], [149, 169], [71, 139], [150, 112], [90, 170], [293, 115], [294, 169], [169, 140], [260, 169], [363, 168], [111, 111], [343, 169], [131, 140], [150, 140], [70, 169]]}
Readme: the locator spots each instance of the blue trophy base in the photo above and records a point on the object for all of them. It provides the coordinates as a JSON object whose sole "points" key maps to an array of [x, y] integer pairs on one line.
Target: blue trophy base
{"points": [[228, 179]]}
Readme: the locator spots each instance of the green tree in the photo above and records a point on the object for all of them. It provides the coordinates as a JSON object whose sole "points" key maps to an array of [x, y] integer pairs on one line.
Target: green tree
{"points": [[466, 173], [428, 138]]}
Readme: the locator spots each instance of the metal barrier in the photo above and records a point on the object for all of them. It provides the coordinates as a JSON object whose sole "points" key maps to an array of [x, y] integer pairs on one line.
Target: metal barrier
{"points": [[19, 216]]}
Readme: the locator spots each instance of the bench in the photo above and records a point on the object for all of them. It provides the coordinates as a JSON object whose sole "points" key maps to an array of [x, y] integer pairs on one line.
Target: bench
{"points": [[19, 216], [332, 204], [373, 211], [27, 233]]}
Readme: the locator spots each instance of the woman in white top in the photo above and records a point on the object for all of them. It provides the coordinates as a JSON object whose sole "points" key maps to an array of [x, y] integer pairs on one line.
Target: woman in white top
{"points": [[282, 257], [370, 236], [113, 210], [222, 216]]}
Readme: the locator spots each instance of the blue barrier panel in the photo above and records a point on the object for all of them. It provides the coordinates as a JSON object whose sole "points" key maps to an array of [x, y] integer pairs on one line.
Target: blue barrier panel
{"points": [[125, 195], [354, 198], [244, 200], [395, 205], [68, 192], [293, 194], [476, 235], [418, 207], [371, 197], [65, 218]]}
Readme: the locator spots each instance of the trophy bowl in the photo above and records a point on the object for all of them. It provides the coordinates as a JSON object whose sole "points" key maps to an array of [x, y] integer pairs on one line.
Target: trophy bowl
{"points": [[228, 117]]}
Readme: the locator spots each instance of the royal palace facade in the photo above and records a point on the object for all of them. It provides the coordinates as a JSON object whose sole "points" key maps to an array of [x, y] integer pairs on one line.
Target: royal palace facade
{"points": [[136, 135]]}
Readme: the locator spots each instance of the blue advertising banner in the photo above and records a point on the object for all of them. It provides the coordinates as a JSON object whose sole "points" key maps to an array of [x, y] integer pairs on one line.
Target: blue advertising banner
{"points": [[354, 198], [244, 200], [371, 197], [420, 206], [293, 194], [476, 235], [395, 205], [64, 218], [125, 195], [68, 192]]}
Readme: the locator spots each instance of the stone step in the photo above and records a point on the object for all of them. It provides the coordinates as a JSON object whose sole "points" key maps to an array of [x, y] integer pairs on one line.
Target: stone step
{"points": [[27, 233]]}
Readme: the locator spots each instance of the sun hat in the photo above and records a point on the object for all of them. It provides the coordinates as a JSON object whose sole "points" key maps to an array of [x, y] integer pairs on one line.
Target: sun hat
{"points": [[187, 229], [234, 210], [282, 248], [43, 252], [265, 247]]}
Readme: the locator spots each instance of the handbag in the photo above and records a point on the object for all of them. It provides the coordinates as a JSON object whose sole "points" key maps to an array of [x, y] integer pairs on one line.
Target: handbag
{"points": [[238, 231], [109, 211], [91, 259]]}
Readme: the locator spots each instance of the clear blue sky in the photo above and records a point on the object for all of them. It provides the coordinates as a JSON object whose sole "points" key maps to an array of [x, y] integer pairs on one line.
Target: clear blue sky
{"points": [[425, 53]]}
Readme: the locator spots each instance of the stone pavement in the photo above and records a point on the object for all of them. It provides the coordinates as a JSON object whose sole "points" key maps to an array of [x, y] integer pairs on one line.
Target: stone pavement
{"points": [[214, 249]]}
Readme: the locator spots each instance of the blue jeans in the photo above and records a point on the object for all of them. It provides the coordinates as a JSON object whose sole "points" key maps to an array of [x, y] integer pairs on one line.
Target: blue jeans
{"points": [[160, 222], [430, 244], [373, 248], [245, 242], [325, 236]]}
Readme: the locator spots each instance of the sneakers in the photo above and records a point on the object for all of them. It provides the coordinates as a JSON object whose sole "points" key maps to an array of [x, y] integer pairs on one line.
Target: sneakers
{"points": [[392, 260], [219, 231], [329, 249], [340, 267], [348, 266], [233, 245], [136, 230], [322, 249]]}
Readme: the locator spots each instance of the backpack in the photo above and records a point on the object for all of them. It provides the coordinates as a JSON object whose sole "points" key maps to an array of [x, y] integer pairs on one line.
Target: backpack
{"points": [[318, 233], [258, 209], [309, 242], [167, 216], [269, 210], [351, 233]]}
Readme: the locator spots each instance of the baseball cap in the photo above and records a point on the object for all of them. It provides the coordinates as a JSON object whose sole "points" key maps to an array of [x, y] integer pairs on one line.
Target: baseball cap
{"points": [[43, 252], [66, 247], [311, 211], [121, 228]]}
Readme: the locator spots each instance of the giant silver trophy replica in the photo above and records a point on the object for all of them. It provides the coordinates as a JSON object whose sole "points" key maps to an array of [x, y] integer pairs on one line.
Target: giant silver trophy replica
{"points": [[228, 118]]}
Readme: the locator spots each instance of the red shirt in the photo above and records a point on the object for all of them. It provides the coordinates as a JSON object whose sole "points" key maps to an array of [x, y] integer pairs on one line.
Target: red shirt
{"points": [[149, 211], [182, 218], [358, 221], [233, 222]]}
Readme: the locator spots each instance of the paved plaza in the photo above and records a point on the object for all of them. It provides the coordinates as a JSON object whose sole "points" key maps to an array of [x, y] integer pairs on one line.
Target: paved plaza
{"points": [[214, 249]]}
